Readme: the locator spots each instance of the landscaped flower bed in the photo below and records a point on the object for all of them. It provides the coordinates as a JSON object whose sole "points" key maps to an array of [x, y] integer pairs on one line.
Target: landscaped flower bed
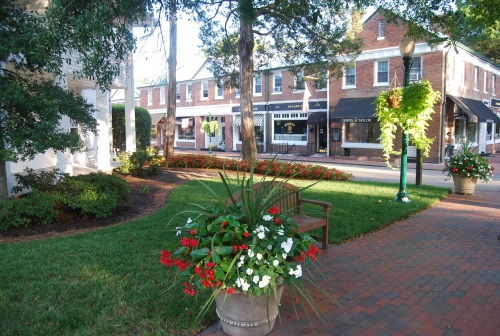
{"points": [[285, 169]]}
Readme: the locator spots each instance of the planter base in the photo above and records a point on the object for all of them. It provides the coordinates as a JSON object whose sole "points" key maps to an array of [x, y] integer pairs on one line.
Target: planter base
{"points": [[464, 185]]}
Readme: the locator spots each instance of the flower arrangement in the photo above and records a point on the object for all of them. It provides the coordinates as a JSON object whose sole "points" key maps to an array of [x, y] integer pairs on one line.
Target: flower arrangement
{"points": [[211, 127], [246, 245], [469, 164]]}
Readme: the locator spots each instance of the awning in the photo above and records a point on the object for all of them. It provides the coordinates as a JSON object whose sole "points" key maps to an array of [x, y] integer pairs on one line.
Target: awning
{"points": [[156, 117], [476, 109], [317, 118], [258, 120], [352, 110]]}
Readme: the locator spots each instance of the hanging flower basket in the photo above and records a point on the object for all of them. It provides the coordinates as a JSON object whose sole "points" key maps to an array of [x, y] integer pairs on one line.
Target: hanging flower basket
{"points": [[393, 98]]}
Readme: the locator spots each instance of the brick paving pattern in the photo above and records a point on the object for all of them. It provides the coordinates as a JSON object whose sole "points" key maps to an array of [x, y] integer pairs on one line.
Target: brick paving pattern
{"points": [[436, 273]]}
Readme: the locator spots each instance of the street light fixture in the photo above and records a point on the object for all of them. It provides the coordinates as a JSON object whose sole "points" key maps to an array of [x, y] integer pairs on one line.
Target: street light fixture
{"points": [[406, 47]]}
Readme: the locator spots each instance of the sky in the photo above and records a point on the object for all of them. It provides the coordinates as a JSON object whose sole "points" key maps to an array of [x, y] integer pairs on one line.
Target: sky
{"points": [[150, 58]]}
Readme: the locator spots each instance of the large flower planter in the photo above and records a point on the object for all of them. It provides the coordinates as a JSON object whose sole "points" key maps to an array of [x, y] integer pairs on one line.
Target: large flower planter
{"points": [[463, 184], [243, 315]]}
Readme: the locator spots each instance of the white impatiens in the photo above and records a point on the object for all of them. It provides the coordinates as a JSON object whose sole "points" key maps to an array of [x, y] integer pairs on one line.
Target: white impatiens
{"points": [[297, 272], [281, 232], [267, 218], [250, 253], [259, 256], [255, 279], [261, 231], [265, 281], [241, 283], [276, 262], [189, 220], [249, 271], [287, 245]]}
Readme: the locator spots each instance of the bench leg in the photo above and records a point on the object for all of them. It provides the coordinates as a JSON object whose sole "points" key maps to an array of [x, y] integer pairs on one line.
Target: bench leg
{"points": [[324, 238]]}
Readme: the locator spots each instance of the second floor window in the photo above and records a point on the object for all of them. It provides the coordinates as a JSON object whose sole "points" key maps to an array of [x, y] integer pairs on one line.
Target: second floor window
{"points": [[416, 69], [204, 90], [150, 96], [219, 90], [350, 76], [299, 82], [257, 85], [493, 85], [189, 92], [278, 82], [485, 84], [381, 29], [178, 93], [162, 95], [382, 72]]}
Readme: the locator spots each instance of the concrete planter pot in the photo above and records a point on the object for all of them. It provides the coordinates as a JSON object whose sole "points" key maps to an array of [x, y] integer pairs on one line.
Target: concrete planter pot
{"points": [[243, 315], [463, 184]]}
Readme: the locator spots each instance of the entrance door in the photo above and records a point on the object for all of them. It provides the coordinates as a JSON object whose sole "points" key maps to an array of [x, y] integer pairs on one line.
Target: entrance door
{"points": [[322, 139]]}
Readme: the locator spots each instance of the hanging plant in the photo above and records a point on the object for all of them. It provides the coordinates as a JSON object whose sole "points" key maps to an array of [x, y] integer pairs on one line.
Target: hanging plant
{"points": [[211, 127], [411, 114], [394, 97]]}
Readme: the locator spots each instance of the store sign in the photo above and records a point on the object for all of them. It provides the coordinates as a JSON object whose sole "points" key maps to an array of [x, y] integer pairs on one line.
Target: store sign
{"points": [[495, 103], [321, 105], [236, 109], [356, 120], [289, 127]]}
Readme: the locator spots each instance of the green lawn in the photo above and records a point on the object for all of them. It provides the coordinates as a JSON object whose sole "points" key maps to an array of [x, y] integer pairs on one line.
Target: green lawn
{"points": [[110, 281]]}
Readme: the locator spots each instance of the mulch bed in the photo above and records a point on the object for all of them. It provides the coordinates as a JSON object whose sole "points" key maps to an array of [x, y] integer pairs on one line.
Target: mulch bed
{"points": [[141, 204]]}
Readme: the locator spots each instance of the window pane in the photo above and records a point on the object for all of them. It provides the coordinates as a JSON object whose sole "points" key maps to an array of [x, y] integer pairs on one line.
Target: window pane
{"points": [[383, 72], [299, 83], [350, 76], [277, 82], [258, 84], [290, 130], [362, 132], [416, 69]]}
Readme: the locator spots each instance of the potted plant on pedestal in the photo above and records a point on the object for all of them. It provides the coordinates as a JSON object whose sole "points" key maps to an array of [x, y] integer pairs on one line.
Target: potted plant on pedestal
{"points": [[244, 253], [466, 168]]}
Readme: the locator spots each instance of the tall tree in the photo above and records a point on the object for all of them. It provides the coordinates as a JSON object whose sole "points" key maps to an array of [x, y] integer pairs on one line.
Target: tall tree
{"points": [[35, 47], [308, 35]]}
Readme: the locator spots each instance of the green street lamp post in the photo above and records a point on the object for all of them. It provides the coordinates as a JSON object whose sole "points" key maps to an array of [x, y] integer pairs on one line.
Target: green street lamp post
{"points": [[406, 47], [209, 135]]}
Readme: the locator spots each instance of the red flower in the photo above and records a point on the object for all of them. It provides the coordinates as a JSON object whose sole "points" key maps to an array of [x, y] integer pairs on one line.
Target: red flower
{"points": [[230, 291], [278, 221], [210, 264], [246, 234], [192, 232], [165, 258], [274, 210], [224, 223]]}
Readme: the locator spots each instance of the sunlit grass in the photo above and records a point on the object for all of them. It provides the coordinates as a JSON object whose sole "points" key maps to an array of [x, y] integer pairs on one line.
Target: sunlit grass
{"points": [[110, 281]]}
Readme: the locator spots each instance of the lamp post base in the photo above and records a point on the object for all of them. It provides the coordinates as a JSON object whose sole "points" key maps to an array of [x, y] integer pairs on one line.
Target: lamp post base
{"points": [[402, 198]]}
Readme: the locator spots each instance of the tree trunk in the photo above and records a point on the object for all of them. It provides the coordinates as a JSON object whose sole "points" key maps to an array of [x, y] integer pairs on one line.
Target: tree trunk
{"points": [[168, 149], [245, 52], [4, 190]]}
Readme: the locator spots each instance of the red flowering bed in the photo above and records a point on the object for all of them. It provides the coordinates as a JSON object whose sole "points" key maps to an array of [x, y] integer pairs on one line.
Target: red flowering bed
{"points": [[272, 167]]}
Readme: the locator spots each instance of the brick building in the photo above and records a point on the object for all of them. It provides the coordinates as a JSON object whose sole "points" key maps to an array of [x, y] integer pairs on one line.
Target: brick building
{"points": [[340, 120]]}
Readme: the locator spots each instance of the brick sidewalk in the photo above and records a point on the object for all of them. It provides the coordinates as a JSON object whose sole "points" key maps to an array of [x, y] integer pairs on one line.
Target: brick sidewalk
{"points": [[436, 273]]}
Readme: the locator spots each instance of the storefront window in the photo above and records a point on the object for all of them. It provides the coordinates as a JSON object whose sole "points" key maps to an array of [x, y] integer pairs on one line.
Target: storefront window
{"points": [[497, 131], [259, 134], [290, 130], [489, 131], [362, 132], [185, 130]]}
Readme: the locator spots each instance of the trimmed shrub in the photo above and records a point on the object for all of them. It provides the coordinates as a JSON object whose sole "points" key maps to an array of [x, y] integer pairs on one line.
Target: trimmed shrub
{"points": [[142, 127], [42, 181], [140, 163], [37, 207], [96, 194]]}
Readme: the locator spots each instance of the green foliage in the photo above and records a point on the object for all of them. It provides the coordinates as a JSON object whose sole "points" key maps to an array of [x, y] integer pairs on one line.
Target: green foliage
{"points": [[37, 207], [140, 163], [97, 194], [411, 115], [142, 127], [40, 181]]}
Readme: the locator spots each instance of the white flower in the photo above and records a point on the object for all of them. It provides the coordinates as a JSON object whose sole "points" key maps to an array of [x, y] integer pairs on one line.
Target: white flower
{"points": [[269, 247], [249, 271], [242, 257], [245, 286], [250, 253], [240, 263], [178, 233], [267, 218], [189, 221], [256, 279], [265, 281], [276, 263], [259, 256], [284, 255], [287, 246], [261, 235], [239, 282], [281, 232], [297, 272]]}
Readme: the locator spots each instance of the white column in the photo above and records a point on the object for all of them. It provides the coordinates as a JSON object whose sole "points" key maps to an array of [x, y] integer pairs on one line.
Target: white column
{"points": [[103, 105], [129, 106], [64, 159]]}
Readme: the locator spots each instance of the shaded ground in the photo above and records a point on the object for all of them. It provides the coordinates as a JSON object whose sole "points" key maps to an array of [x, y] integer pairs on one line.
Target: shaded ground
{"points": [[141, 203]]}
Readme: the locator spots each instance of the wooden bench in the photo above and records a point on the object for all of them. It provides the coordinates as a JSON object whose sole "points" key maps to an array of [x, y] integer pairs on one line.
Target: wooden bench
{"points": [[287, 198]]}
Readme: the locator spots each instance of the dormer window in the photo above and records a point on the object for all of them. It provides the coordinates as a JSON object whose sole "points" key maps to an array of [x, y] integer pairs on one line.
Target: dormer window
{"points": [[381, 30]]}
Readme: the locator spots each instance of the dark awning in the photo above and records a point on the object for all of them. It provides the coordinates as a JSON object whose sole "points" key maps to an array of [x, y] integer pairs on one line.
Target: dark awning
{"points": [[476, 109], [316, 118], [351, 110]]}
